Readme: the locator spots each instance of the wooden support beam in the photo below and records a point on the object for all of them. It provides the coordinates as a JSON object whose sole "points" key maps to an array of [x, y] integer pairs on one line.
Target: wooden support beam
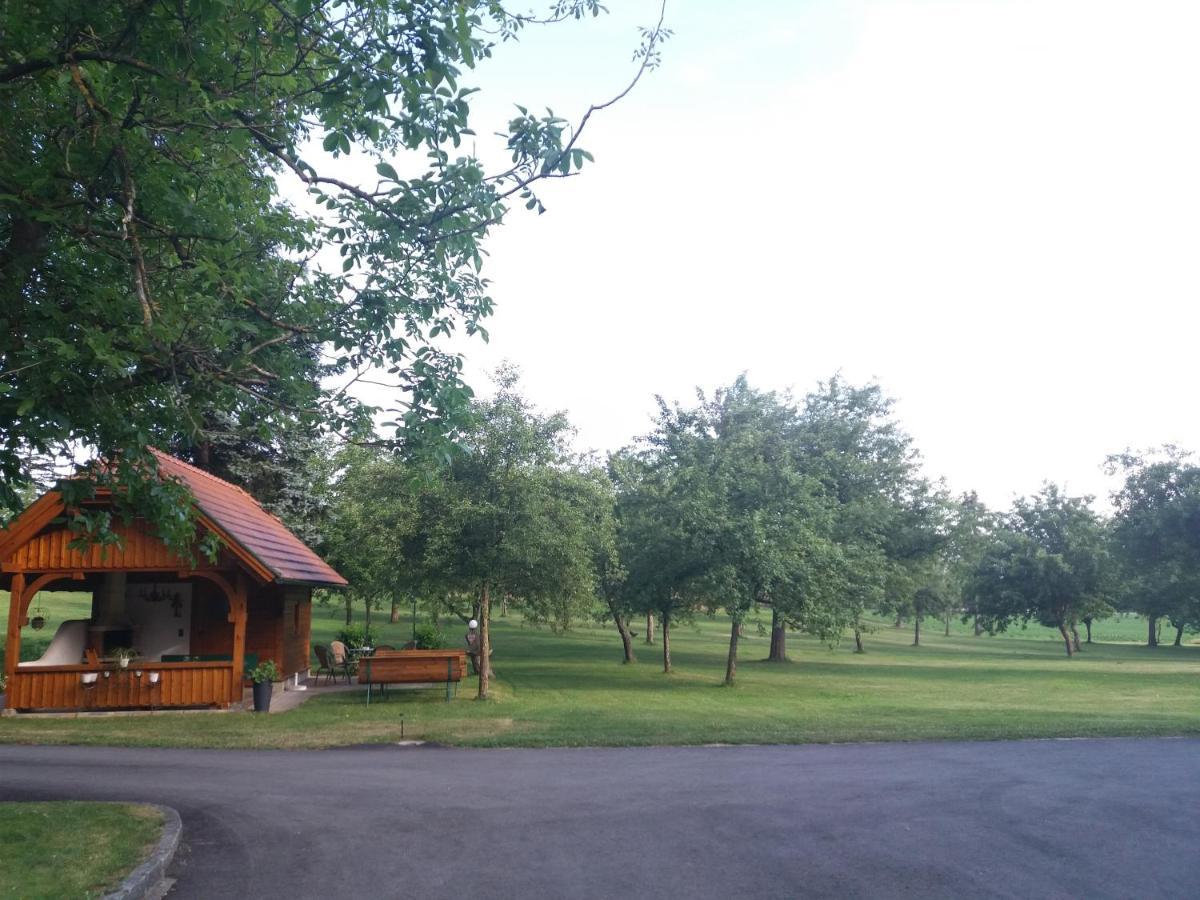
{"points": [[12, 645], [26, 597], [237, 615]]}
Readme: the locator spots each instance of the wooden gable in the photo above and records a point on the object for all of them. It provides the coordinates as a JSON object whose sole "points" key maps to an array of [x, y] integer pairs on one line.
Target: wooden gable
{"points": [[50, 551]]}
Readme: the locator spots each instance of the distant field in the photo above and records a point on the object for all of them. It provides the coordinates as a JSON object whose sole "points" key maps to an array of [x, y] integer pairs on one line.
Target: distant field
{"points": [[571, 689]]}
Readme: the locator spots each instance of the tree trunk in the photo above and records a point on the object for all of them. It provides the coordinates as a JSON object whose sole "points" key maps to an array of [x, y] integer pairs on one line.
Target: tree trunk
{"points": [[1152, 634], [778, 639], [623, 630], [735, 631], [1178, 635], [1075, 637], [349, 610], [899, 620], [504, 607], [917, 630], [485, 644], [666, 641], [395, 616], [947, 624], [1066, 636], [649, 628], [978, 626], [858, 644], [1087, 623]]}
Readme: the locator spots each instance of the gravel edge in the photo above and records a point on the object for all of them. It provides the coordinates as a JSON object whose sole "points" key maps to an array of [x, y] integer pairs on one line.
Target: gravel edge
{"points": [[146, 878]]}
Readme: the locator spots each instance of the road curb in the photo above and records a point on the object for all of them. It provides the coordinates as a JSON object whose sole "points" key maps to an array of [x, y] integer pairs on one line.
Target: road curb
{"points": [[143, 880]]}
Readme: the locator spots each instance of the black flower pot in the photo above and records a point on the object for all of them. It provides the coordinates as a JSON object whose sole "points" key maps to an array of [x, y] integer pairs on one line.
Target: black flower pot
{"points": [[262, 696]]}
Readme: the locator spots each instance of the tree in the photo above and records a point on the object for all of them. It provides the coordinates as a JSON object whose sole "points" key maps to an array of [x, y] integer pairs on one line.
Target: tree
{"points": [[154, 273], [1049, 564], [373, 536], [723, 516], [850, 442], [916, 544], [598, 496], [511, 516], [660, 552], [971, 531], [1157, 536]]}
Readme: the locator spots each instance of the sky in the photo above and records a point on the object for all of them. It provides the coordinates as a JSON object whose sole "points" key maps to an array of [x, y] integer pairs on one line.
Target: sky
{"points": [[991, 208]]}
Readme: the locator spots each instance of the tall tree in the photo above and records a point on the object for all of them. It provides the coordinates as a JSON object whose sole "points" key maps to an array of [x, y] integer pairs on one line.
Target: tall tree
{"points": [[916, 544], [373, 536], [971, 527], [1050, 564], [850, 442], [735, 519], [511, 515], [152, 272], [661, 549], [1157, 535]]}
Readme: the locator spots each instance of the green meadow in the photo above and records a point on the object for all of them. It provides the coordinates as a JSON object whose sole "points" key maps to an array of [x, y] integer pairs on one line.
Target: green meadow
{"points": [[69, 849], [571, 689]]}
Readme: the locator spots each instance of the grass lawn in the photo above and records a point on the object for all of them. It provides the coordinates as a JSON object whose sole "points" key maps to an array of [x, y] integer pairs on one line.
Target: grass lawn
{"points": [[571, 689], [69, 850]]}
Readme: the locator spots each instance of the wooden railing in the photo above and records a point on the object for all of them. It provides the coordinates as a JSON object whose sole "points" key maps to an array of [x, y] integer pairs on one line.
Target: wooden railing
{"points": [[72, 687]]}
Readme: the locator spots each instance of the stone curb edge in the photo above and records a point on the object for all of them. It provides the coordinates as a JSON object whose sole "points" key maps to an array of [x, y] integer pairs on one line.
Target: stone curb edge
{"points": [[146, 877]]}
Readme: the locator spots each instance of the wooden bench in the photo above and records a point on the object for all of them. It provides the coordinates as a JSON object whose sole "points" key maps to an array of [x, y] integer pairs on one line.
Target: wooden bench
{"points": [[413, 667]]}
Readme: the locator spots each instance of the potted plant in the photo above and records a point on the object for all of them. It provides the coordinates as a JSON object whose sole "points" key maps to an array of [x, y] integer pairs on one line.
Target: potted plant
{"points": [[123, 655], [263, 675]]}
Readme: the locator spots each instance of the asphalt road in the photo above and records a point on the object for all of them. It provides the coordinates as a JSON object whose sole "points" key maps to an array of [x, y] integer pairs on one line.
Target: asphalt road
{"points": [[1087, 818]]}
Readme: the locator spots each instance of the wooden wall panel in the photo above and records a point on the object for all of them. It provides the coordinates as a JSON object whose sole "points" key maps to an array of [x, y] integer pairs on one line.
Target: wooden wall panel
{"points": [[51, 551], [212, 632], [264, 624], [180, 684], [297, 630]]}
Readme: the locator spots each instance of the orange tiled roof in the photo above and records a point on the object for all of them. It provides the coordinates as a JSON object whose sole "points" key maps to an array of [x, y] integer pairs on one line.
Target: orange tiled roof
{"points": [[252, 528]]}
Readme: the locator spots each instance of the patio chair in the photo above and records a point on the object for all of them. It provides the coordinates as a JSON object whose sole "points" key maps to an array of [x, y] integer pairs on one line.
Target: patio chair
{"points": [[341, 658], [326, 664]]}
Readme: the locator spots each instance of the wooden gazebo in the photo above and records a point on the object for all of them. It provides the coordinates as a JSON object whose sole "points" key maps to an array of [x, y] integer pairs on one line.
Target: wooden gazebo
{"points": [[195, 625]]}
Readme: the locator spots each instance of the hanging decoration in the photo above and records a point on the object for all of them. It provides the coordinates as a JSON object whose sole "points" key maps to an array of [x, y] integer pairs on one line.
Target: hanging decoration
{"points": [[157, 595]]}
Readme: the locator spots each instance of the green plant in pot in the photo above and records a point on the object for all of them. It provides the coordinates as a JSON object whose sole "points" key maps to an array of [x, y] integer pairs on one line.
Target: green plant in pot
{"points": [[263, 675], [123, 655]]}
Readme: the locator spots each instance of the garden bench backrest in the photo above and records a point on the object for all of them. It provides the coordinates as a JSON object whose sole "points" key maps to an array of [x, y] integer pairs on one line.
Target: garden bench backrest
{"points": [[339, 653]]}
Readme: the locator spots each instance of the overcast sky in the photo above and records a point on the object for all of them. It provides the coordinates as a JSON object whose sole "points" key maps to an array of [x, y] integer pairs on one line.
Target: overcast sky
{"points": [[992, 208]]}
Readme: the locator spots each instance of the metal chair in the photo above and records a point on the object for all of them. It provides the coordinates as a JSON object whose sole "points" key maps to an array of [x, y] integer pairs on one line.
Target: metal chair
{"points": [[326, 664]]}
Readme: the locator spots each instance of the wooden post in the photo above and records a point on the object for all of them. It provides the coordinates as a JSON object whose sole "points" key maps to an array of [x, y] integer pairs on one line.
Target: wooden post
{"points": [[237, 615], [12, 647]]}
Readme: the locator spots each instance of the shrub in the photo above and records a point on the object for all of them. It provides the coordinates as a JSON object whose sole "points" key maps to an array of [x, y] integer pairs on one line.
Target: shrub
{"points": [[354, 636], [429, 638]]}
